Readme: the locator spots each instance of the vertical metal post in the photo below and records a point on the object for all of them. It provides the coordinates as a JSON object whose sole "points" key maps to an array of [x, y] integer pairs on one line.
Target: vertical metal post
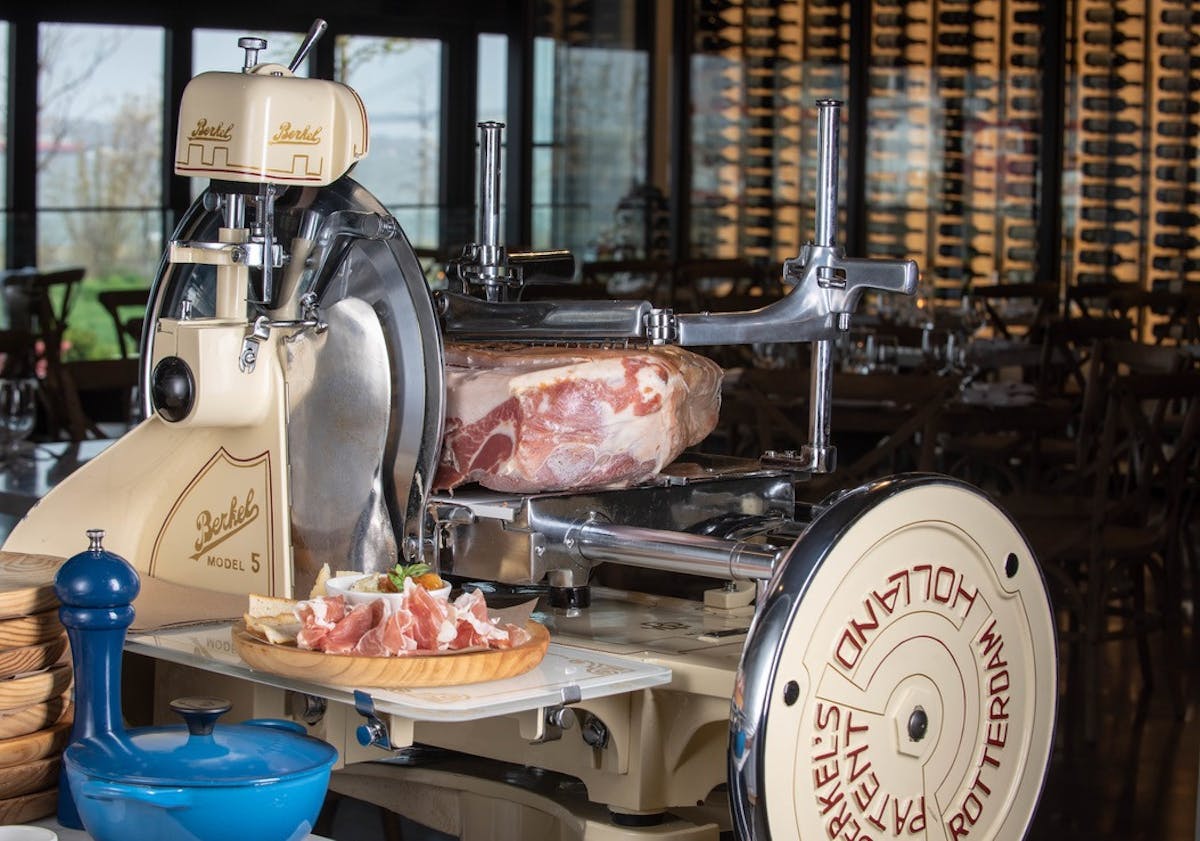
{"points": [[487, 224], [820, 455], [489, 259], [828, 115]]}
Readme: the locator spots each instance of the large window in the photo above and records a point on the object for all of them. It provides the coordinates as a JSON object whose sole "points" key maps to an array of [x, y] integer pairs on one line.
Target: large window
{"points": [[99, 164], [217, 49], [400, 82], [589, 143]]}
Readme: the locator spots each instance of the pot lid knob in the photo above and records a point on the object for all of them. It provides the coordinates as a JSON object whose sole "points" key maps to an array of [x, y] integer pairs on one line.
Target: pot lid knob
{"points": [[201, 713], [96, 578]]}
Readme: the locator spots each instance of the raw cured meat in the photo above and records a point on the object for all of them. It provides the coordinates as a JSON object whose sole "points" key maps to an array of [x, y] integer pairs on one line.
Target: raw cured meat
{"points": [[530, 419], [419, 622]]}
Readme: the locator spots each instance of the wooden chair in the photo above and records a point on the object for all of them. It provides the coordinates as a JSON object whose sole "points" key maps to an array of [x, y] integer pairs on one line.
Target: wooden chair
{"points": [[1112, 525], [43, 302], [1038, 303], [127, 309]]}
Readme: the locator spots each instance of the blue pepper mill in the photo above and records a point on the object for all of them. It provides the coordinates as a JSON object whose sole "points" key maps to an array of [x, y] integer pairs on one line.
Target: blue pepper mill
{"points": [[97, 589]]}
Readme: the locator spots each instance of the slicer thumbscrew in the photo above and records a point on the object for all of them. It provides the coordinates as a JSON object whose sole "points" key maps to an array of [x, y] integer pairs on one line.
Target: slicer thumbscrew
{"points": [[95, 540], [252, 47]]}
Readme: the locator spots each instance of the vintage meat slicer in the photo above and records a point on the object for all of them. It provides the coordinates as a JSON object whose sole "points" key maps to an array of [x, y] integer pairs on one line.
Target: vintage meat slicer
{"points": [[878, 664]]}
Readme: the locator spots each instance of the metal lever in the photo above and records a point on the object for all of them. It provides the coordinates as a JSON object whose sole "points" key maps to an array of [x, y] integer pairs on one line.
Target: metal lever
{"points": [[314, 34], [373, 731]]}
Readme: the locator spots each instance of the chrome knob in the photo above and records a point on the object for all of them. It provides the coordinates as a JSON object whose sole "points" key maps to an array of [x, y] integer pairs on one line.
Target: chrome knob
{"points": [[252, 46]]}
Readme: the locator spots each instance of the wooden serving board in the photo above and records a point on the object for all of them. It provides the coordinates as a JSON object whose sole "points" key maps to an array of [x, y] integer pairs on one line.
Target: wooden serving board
{"points": [[30, 630], [32, 718], [28, 807], [35, 687], [15, 661], [25, 779], [27, 583], [49, 741], [446, 668]]}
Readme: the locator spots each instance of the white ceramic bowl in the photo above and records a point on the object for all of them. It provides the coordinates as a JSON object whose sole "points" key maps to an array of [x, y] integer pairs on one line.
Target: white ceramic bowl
{"points": [[341, 585]]}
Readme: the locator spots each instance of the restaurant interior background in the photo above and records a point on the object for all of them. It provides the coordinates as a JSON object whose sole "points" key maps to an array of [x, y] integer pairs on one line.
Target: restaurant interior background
{"points": [[1037, 159]]}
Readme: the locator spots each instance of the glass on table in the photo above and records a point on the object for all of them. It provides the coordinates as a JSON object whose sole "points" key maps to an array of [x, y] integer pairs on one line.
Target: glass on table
{"points": [[18, 413]]}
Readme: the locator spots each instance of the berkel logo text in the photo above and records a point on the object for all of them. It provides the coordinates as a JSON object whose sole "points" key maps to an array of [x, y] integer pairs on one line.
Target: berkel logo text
{"points": [[215, 527]]}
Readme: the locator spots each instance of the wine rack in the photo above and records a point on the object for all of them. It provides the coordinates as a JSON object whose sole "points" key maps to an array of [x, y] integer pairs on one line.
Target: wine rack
{"points": [[1131, 164], [757, 68], [953, 174]]}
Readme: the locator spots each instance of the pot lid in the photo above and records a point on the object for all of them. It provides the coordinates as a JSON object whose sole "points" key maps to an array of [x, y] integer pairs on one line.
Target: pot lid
{"points": [[200, 754]]}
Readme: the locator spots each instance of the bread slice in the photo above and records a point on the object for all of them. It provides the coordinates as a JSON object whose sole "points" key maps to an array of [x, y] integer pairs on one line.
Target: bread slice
{"points": [[272, 619]]}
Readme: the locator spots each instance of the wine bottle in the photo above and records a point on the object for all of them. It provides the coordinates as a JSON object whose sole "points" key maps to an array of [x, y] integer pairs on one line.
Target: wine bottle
{"points": [[1105, 103], [957, 229], [961, 250], [1175, 151], [1027, 38], [1101, 257], [1025, 82], [1178, 106], [1019, 167], [961, 39], [1107, 192], [1179, 84], [825, 20], [1095, 169], [1025, 103], [712, 23], [1178, 38], [1108, 37], [1109, 236], [1181, 17], [1029, 16], [1096, 279], [1177, 128], [896, 40], [1105, 82], [1177, 195], [1101, 14], [957, 18], [1108, 126], [1177, 173], [1178, 218], [715, 44], [1176, 264], [1022, 232], [1179, 61], [945, 59], [1107, 214], [1098, 59], [1025, 60], [1183, 242], [1107, 148]]}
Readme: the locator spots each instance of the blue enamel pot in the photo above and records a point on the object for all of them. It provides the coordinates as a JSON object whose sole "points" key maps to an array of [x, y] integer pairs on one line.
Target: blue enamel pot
{"points": [[200, 782]]}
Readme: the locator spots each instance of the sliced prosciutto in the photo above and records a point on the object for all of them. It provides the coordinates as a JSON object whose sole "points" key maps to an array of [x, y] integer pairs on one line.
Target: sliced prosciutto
{"points": [[418, 622], [530, 419]]}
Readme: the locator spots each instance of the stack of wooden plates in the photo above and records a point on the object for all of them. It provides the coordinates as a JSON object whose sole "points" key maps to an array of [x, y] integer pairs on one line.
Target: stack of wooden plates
{"points": [[35, 687]]}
